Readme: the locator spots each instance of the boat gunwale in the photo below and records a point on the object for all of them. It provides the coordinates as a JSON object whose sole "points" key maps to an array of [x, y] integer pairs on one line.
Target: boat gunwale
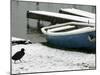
{"points": [[77, 31]]}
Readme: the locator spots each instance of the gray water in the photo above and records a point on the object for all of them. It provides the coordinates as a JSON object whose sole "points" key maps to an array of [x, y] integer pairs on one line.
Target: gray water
{"points": [[19, 20]]}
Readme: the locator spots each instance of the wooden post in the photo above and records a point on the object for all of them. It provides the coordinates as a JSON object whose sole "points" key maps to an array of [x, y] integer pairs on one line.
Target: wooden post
{"points": [[88, 21], [75, 6], [37, 5], [27, 22], [38, 25], [38, 21], [17, 2]]}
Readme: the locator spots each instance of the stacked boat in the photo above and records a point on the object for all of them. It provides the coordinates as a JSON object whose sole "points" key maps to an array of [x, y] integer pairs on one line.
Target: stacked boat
{"points": [[72, 34]]}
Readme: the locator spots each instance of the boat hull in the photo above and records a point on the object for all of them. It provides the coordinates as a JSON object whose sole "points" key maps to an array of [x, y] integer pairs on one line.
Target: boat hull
{"points": [[80, 41]]}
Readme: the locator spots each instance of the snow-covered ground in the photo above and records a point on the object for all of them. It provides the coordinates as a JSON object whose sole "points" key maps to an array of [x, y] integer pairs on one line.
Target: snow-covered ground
{"points": [[40, 58]]}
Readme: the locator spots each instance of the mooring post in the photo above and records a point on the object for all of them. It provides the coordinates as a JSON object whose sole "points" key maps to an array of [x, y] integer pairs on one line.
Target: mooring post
{"points": [[39, 25], [27, 22], [38, 21], [88, 21]]}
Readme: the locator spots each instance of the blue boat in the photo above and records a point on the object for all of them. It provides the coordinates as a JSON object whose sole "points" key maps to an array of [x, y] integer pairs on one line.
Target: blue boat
{"points": [[74, 35]]}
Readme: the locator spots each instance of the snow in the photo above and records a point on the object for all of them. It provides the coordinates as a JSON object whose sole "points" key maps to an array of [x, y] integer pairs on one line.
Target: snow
{"points": [[40, 58], [16, 39]]}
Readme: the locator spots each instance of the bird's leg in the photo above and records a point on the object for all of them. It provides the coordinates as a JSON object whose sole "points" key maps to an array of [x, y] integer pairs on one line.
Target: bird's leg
{"points": [[14, 62], [20, 60]]}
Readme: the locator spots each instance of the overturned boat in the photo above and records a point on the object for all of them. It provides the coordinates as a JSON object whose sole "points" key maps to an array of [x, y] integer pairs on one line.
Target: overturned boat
{"points": [[71, 35], [77, 12]]}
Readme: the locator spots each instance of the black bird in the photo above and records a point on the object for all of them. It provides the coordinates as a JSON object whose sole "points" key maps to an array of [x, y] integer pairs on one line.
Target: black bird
{"points": [[18, 55]]}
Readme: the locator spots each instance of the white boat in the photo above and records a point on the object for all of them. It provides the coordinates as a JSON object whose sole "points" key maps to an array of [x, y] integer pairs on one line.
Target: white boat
{"points": [[77, 12], [57, 17]]}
